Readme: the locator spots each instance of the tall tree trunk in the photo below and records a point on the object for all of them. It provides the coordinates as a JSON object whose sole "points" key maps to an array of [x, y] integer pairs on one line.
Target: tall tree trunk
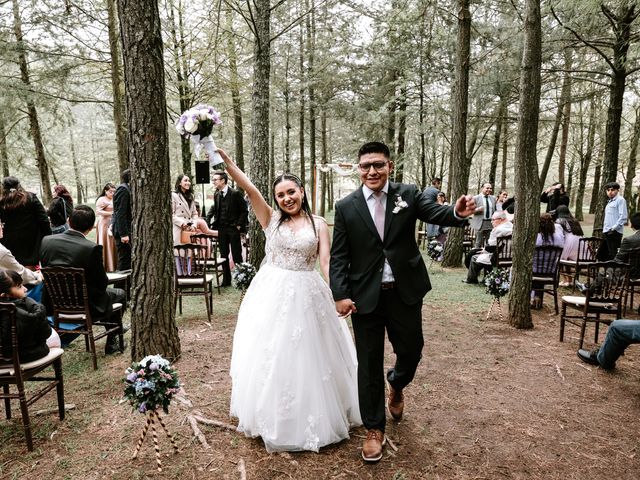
{"points": [[585, 161], [633, 160], [311, 45], [260, 118], [505, 153], [595, 190], [154, 329], [552, 142], [119, 120], [301, 112], [460, 165], [235, 95], [526, 164], [402, 135], [184, 90], [566, 114], [287, 117], [496, 140], [324, 155], [76, 168], [34, 124], [4, 155]]}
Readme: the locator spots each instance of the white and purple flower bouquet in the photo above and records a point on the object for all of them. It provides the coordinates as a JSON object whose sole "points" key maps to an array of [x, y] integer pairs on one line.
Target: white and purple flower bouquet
{"points": [[497, 282], [243, 274], [197, 124], [434, 250], [150, 384]]}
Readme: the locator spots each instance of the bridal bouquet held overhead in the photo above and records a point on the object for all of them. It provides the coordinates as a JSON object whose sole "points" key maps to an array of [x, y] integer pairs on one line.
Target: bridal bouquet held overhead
{"points": [[197, 124]]}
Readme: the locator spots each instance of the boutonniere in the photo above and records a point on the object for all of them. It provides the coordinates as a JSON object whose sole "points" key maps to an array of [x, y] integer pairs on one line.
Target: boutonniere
{"points": [[400, 204]]}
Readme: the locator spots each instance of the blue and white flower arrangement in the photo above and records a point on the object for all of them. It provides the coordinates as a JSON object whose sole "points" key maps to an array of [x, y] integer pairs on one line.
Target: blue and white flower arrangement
{"points": [[197, 124], [497, 282], [434, 250], [150, 384], [243, 274]]}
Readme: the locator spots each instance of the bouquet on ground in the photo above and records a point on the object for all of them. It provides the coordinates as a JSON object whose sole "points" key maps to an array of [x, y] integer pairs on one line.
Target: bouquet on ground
{"points": [[434, 250], [243, 274], [150, 384], [197, 124], [497, 282]]}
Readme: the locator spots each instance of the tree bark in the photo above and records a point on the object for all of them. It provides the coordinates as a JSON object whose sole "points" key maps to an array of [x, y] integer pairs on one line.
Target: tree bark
{"points": [[260, 118], [552, 143], [76, 168], [501, 114], [402, 135], [34, 124], [301, 112], [505, 153], [460, 165], [311, 45], [235, 96], [119, 119], [566, 115], [324, 156], [585, 162], [526, 182], [4, 155], [633, 161], [154, 329]]}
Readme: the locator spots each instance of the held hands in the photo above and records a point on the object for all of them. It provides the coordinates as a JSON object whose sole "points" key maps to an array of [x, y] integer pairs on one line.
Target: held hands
{"points": [[465, 206], [345, 307]]}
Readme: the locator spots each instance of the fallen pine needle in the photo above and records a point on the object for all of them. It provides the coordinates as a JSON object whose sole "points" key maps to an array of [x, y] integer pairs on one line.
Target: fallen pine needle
{"points": [[559, 372]]}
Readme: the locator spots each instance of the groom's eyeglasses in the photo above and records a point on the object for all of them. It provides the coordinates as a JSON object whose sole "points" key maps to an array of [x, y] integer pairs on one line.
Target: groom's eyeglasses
{"points": [[378, 166]]}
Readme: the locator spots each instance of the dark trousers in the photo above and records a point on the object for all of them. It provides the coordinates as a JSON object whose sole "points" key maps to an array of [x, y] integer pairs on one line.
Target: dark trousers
{"points": [[610, 244], [229, 239], [403, 324], [124, 255]]}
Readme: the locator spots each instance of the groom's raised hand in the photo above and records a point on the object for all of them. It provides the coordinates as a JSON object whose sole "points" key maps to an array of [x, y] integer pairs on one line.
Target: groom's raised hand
{"points": [[465, 206], [345, 307]]}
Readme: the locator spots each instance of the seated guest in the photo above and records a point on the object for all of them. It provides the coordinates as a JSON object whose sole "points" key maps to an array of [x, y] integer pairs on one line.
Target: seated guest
{"points": [[572, 232], [502, 227], [73, 249], [35, 335], [549, 234], [9, 262], [628, 244], [620, 335]]}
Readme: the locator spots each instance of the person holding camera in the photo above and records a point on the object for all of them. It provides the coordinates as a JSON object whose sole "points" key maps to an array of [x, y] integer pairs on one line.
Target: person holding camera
{"points": [[554, 196]]}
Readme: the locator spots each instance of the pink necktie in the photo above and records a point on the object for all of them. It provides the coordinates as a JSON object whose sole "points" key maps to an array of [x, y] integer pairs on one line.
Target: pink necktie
{"points": [[378, 213]]}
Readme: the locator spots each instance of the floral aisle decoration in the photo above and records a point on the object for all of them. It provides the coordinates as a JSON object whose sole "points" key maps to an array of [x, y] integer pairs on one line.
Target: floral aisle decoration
{"points": [[242, 277], [149, 385], [497, 283], [435, 250], [197, 124]]}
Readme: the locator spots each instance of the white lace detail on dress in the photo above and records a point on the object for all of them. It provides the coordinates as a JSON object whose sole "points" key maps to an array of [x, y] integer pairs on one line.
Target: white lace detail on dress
{"points": [[288, 249]]}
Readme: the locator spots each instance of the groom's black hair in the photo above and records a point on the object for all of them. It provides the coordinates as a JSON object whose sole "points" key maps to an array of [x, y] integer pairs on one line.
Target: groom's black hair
{"points": [[284, 216], [374, 147]]}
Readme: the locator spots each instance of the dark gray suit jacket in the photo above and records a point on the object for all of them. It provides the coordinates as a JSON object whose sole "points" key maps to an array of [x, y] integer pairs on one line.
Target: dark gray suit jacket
{"points": [[358, 254], [72, 249], [624, 254]]}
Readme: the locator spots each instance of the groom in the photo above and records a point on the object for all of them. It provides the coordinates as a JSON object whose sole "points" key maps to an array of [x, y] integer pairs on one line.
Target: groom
{"points": [[377, 274]]}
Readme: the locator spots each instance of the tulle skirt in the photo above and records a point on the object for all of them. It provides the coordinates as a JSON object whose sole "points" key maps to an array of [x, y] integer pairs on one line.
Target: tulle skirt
{"points": [[293, 366]]}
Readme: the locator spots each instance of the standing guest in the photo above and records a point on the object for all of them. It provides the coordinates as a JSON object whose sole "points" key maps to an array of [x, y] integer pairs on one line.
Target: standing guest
{"points": [[502, 197], [35, 335], [121, 221], [73, 249], [431, 192], [481, 220], [572, 232], [554, 196], [59, 209], [229, 212], [615, 218], [377, 275], [26, 222], [104, 235], [629, 244], [293, 363], [184, 213]]}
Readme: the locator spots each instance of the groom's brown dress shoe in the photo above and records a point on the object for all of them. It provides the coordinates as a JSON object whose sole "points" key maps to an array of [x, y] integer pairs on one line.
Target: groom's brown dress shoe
{"points": [[396, 403], [372, 446]]}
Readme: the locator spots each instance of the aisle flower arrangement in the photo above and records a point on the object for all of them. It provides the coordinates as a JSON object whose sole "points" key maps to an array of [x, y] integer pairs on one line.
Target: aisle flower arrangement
{"points": [[243, 275], [434, 250], [197, 124], [150, 384], [497, 283]]}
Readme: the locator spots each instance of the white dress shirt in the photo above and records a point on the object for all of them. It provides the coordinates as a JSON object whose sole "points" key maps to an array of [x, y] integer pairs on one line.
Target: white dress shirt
{"points": [[387, 274]]}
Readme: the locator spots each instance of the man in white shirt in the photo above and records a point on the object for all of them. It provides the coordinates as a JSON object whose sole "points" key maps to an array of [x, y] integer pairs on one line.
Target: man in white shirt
{"points": [[615, 218]]}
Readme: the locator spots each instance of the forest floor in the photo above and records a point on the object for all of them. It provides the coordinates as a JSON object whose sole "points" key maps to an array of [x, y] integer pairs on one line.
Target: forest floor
{"points": [[488, 402]]}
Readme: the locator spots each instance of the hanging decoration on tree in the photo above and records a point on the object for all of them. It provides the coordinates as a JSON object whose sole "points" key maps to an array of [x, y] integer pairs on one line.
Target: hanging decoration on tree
{"points": [[197, 124], [497, 283], [149, 385]]}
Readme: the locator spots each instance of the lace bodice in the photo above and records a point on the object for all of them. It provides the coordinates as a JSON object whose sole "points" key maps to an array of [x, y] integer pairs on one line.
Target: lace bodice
{"points": [[288, 249]]}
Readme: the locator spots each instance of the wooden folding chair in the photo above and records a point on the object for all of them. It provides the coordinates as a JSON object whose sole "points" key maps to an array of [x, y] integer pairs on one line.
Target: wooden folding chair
{"points": [[191, 277], [504, 254], [213, 261], [14, 372], [66, 288], [546, 267], [587, 250]]}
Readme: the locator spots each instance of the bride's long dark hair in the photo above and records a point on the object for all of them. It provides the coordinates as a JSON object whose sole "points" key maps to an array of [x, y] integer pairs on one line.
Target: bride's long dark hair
{"points": [[284, 216]]}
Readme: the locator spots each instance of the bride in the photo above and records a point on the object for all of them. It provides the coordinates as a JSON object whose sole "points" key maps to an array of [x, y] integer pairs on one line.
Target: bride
{"points": [[293, 365]]}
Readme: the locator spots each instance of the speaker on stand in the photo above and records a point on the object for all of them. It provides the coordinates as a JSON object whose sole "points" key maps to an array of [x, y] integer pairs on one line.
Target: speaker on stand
{"points": [[202, 178]]}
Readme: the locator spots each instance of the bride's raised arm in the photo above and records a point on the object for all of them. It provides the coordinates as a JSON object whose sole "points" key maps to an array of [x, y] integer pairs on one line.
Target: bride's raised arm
{"points": [[260, 207]]}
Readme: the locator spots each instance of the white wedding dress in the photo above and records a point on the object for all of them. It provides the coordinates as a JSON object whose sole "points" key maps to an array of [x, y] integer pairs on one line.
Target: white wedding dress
{"points": [[293, 366]]}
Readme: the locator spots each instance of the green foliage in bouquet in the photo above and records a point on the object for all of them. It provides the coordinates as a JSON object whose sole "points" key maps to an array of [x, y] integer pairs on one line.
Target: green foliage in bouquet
{"points": [[243, 274], [150, 384], [497, 282], [434, 250]]}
